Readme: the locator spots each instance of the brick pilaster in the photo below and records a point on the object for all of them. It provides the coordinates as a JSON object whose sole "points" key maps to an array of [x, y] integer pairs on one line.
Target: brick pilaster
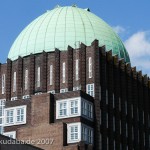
{"points": [[32, 74], [20, 78], [111, 118], [117, 110], [103, 98], [83, 67], [140, 110], [129, 107], [70, 68], [123, 102], [8, 79], [95, 47], [44, 72], [57, 71], [135, 108]]}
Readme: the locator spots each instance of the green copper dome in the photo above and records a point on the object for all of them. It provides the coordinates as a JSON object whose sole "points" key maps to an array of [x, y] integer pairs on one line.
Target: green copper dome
{"points": [[65, 26]]}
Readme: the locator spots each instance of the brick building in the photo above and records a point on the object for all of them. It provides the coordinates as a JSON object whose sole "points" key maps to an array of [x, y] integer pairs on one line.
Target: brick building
{"points": [[68, 84]]}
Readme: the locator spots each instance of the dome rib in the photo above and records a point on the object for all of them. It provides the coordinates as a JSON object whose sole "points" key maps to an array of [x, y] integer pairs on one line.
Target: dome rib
{"points": [[65, 29], [90, 23], [39, 30], [74, 22], [30, 36], [83, 26], [56, 26], [48, 25]]}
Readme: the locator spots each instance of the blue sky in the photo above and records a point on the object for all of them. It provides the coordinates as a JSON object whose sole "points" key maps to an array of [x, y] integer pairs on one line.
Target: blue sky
{"points": [[130, 19]]}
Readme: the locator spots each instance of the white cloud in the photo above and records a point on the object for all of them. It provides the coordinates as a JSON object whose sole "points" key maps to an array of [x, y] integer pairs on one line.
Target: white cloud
{"points": [[138, 46], [118, 29]]}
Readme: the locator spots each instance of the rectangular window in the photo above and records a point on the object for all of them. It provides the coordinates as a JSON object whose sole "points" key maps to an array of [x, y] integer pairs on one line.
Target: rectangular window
{"points": [[64, 72], [77, 69], [74, 133], [63, 109], [2, 106], [90, 89], [20, 114], [74, 107], [113, 101], [3, 83], [89, 135], [106, 97], [84, 108], [38, 76], [119, 104], [15, 115], [90, 110], [26, 79], [90, 67], [87, 109], [51, 74], [84, 133], [77, 132], [10, 116], [14, 82]]}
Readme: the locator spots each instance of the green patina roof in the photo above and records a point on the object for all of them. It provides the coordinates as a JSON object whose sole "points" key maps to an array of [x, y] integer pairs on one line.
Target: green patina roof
{"points": [[65, 26]]}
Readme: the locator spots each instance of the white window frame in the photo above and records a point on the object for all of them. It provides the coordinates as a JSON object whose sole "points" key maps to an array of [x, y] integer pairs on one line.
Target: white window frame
{"points": [[26, 79], [14, 109], [20, 116], [90, 67], [2, 107], [64, 72], [62, 109], [14, 82], [69, 126], [11, 134], [88, 138], [38, 77], [88, 113], [9, 114], [90, 92], [77, 69], [3, 83], [68, 114], [51, 74], [64, 90], [74, 105]]}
